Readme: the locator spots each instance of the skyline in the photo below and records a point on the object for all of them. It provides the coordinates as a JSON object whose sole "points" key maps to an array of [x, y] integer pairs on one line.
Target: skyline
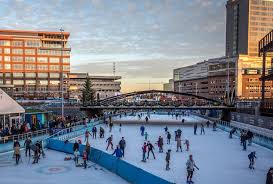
{"points": [[130, 33]]}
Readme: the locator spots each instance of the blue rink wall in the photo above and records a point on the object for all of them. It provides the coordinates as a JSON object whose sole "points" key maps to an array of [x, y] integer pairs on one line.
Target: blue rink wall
{"points": [[127, 171]]}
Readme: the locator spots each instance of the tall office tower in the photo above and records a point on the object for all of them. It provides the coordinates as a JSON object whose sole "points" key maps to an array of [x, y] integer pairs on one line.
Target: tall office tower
{"points": [[247, 21], [33, 61]]}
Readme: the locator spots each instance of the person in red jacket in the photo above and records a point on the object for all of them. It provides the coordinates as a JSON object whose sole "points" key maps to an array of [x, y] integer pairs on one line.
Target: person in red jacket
{"points": [[84, 157], [144, 150]]}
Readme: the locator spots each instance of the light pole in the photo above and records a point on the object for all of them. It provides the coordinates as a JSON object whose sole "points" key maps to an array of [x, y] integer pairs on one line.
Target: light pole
{"points": [[62, 74]]}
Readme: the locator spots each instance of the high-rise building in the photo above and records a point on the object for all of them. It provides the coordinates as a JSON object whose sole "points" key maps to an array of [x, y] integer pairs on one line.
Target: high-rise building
{"points": [[33, 61], [247, 21]]}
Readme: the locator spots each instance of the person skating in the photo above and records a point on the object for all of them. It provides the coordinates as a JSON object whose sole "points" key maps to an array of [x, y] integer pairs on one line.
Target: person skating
{"points": [[183, 121], [169, 138], [122, 145], [87, 133], [269, 176], [27, 145], [150, 149], [168, 157], [166, 130], [120, 127], [190, 169], [84, 157], [76, 146], [16, 143], [146, 119], [101, 132], [244, 139], [179, 132], [142, 129], [252, 157], [111, 124], [146, 136], [178, 144], [249, 137], [109, 142], [195, 128], [88, 150], [76, 157], [144, 150], [36, 151], [187, 143], [160, 144], [232, 131], [94, 132], [17, 153], [118, 152], [202, 129]]}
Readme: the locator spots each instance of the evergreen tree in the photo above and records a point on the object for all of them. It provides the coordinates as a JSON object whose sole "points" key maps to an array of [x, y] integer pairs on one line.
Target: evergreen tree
{"points": [[88, 94]]}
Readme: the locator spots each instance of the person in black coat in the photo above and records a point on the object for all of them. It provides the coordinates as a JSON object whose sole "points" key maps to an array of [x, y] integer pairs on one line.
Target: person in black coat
{"points": [[75, 146], [269, 176]]}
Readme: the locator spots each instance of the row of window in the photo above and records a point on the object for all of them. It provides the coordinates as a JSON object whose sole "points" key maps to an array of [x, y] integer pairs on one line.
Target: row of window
{"points": [[33, 75], [33, 59], [33, 52], [33, 67]]}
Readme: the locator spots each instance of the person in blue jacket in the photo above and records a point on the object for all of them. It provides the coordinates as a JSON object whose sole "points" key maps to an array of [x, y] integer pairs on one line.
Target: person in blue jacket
{"points": [[118, 152], [142, 129]]}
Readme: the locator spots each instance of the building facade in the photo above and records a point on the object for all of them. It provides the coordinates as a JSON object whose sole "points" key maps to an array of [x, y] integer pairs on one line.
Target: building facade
{"points": [[33, 62], [104, 86], [168, 86], [247, 22]]}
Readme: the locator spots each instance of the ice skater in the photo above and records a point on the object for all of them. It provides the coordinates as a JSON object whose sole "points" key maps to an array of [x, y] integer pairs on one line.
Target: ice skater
{"points": [[195, 128], [178, 144], [190, 169], [76, 157], [87, 133], [232, 131], [142, 129], [94, 132], [169, 138], [118, 152], [27, 145], [208, 123], [101, 132], [120, 127], [111, 126], [146, 119], [17, 154], [122, 145], [166, 130], [249, 137], [202, 129], [150, 149], [243, 140], [88, 150], [84, 157], [252, 157], [144, 150], [187, 143], [109, 142], [160, 144], [146, 136], [168, 158]]}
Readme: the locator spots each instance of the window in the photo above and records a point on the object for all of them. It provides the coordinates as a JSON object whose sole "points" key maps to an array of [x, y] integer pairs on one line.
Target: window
{"points": [[0, 58], [7, 50], [42, 59], [66, 60], [32, 43], [4, 43], [42, 67], [1, 66], [18, 75], [30, 51], [54, 67], [30, 75], [7, 58], [30, 59], [18, 82], [42, 75], [18, 66], [54, 75], [17, 51], [66, 67], [17, 58], [43, 82], [54, 60], [54, 82], [30, 82], [17, 43], [30, 67], [7, 66]]}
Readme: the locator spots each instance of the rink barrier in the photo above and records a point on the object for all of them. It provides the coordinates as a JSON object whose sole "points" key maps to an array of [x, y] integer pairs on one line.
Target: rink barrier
{"points": [[260, 137], [127, 171]]}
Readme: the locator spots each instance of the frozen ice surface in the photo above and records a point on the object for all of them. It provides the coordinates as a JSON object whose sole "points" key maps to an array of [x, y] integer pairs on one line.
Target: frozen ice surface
{"points": [[53, 170], [220, 159]]}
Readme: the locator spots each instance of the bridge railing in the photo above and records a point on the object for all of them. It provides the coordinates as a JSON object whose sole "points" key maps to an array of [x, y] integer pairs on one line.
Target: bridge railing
{"points": [[262, 136]]}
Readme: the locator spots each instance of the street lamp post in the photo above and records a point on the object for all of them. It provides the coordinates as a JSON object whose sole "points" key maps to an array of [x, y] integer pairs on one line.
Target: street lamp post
{"points": [[62, 74]]}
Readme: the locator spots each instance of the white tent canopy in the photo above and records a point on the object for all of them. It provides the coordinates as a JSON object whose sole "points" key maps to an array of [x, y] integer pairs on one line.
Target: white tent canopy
{"points": [[8, 105]]}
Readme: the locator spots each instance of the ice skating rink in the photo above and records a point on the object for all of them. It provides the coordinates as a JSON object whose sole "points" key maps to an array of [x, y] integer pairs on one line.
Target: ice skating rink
{"points": [[220, 159], [53, 170]]}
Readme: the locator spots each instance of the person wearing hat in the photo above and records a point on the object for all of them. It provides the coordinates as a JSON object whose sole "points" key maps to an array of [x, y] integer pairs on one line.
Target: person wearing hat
{"points": [[168, 157]]}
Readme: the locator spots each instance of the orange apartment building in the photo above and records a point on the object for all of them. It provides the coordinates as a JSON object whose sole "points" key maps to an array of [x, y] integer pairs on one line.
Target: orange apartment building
{"points": [[33, 61]]}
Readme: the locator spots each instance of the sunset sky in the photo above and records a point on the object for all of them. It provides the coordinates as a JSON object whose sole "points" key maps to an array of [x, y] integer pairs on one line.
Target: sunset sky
{"points": [[146, 38]]}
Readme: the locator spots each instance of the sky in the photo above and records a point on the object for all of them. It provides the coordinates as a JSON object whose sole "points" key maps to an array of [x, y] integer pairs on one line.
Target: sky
{"points": [[146, 39]]}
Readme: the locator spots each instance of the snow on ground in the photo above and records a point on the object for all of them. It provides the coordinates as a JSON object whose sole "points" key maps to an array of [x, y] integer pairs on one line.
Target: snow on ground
{"points": [[51, 170], [220, 159]]}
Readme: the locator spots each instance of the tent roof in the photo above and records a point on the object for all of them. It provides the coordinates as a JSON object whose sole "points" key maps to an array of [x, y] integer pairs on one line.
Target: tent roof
{"points": [[8, 105]]}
